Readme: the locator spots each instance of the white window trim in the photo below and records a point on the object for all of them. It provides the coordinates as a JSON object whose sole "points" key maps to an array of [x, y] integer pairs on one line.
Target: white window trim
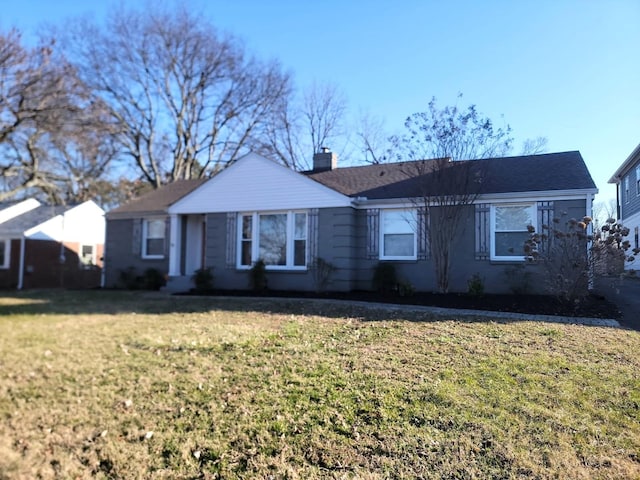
{"points": [[413, 229], [492, 230], [255, 244], [145, 222], [7, 254], [638, 180], [627, 192]]}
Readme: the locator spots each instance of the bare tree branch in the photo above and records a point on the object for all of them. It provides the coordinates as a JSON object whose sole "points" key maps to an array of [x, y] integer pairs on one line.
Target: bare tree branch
{"points": [[44, 108], [190, 100]]}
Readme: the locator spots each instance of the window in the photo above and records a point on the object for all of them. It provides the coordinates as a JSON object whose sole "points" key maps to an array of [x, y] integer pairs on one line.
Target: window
{"points": [[153, 238], [279, 239], [87, 256], [5, 249], [635, 237], [509, 230], [398, 234], [638, 180], [626, 189]]}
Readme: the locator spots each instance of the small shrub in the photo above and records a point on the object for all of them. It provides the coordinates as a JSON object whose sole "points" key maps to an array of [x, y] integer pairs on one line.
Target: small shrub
{"points": [[258, 276], [322, 271], [518, 279], [130, 279], [405, 289], [153, 279], [475, 285], [203, 279], [385, 278]]}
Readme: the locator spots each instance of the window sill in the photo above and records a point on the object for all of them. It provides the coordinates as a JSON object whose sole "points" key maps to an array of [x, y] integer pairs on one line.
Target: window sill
{"points": [[398, 259], [503, 261], [243, 268], [153, 257]]}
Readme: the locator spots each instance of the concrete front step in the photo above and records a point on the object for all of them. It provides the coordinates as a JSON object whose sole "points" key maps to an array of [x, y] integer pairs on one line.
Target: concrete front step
{"points": [[176, 284]]}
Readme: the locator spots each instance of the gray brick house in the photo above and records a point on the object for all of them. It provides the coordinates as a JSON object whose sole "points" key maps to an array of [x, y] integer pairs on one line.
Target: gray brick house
{"points": [[353, 218]]}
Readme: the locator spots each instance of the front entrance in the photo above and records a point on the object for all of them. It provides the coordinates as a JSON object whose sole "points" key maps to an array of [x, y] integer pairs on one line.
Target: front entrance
{"points": [[193, 241]]}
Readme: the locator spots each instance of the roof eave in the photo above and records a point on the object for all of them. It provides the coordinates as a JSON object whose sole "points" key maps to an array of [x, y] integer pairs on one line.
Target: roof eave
{"points": [[138, 214], [635, 156], [571, 194]]}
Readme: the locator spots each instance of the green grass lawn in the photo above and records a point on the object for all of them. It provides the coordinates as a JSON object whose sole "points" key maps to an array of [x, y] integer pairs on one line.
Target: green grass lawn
{"points": [[138, 385]]}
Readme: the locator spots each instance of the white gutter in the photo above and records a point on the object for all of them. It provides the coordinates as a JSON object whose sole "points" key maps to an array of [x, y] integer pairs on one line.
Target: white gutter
{"points": [[21, 268]]}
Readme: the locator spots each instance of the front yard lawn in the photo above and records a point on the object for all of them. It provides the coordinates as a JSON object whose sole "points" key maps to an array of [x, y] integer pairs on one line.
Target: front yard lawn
{"points": [[138, 385]]}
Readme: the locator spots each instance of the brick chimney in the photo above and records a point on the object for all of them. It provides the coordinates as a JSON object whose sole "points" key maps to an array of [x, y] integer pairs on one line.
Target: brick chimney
{"points": [[324, 160]]}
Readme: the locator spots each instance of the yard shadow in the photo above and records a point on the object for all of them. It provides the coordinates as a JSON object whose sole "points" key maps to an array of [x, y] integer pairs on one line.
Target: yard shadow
{"points": [[115, 302]]}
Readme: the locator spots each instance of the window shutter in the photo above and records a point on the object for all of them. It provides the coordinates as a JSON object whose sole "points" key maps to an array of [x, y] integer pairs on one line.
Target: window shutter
{"points": [[545, 217], [312, 236], [232, 234], [167, 236], [136, 236], [482, 229], [373, 233], [424, 250]]}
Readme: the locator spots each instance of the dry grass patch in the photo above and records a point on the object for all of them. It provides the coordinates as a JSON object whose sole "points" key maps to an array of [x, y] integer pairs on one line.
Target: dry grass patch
{"points": [[125, 385]]}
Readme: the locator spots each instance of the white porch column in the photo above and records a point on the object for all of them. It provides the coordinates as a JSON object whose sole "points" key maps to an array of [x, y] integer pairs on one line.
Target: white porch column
{"points": [[174, 245]]}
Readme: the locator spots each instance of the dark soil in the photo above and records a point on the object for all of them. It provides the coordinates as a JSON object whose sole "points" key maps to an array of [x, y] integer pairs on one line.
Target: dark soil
{"points": [[593, 306]]}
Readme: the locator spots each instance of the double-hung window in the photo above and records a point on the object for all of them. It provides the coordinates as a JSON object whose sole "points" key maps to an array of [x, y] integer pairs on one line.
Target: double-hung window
{"points": [[5, 250], [279, 239], [153, 233], [626, 189], [398, 234], [638, 180], [509, 229]]}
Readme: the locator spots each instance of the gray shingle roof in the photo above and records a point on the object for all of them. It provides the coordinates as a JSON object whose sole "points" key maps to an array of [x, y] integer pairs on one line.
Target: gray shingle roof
{"points": [[18, 225], [531, 173], [157, 201]]}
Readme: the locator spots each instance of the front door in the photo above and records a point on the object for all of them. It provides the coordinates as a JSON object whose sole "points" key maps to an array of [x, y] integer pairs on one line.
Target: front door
{"points": [[194, 244]]}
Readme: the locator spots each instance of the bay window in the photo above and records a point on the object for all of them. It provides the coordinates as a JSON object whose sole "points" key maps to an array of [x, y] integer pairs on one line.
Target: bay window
{"points": [[398, 234], [509, 229], [279, 239]]}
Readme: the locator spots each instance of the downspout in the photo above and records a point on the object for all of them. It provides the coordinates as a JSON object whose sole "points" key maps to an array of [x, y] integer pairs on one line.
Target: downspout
{"points": [[21, 267]]}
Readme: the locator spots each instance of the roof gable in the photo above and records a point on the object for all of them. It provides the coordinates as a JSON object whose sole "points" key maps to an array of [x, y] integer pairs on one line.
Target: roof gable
{"points": [[257, 183]]}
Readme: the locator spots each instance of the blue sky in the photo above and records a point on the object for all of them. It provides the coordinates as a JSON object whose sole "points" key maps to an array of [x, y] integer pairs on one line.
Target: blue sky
{"points": [[568, 70]]}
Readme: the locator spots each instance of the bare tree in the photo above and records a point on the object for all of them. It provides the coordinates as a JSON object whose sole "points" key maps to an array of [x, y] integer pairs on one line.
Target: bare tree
{"points": [[188, 99], [43, 107], [306, 124], [444, 187], [459, 134], [534, 146], [603, 210], [324, 109], [372, 139]]}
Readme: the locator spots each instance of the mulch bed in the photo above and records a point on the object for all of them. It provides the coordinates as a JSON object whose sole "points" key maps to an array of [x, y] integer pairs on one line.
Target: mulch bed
{"points": [[593, 306]]}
